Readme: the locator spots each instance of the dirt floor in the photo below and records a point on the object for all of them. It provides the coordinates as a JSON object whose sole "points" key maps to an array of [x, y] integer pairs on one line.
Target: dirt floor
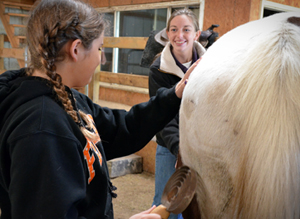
{"points": [[135, 194]]}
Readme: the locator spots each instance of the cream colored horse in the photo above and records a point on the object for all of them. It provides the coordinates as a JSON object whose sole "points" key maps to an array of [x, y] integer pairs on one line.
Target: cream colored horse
{"points": [[240, 122]]}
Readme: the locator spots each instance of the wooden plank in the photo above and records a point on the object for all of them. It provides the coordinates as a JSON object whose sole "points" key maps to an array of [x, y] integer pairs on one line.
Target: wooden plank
{"points": [[127, 88], [122, 79], [1, 46], [105, 6], [21, 37], [18, 5], [94, 86], [16, 53], [125, 42], [7, 27], [10, 32], [17, 15], [18, 25], [7, 40]]}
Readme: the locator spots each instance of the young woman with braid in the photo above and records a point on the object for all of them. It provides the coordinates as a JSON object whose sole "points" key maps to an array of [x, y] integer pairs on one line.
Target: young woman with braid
{"points": [[54, 141]]}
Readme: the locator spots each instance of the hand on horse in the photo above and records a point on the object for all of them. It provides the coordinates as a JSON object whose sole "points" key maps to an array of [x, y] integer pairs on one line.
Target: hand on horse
{"points": [[181, 84]]}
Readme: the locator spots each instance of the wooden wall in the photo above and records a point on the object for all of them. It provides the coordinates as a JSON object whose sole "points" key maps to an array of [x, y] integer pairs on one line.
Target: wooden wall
{"points": [[110, 3], [227, 13], [232, 13], [30, 2]]}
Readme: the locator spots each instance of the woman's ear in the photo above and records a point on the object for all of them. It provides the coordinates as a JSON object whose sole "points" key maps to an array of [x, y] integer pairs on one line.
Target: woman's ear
{"points": [[168, 34], [198, 33], [75, 50]]}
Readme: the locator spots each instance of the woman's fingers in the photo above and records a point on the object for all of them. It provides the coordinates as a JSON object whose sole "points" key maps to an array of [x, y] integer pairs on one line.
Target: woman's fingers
{"points": [[181, 84], [189, 71]]}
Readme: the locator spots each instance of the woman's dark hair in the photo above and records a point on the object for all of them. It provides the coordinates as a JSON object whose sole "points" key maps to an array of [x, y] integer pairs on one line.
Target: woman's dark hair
{"points": [[186, 12]]}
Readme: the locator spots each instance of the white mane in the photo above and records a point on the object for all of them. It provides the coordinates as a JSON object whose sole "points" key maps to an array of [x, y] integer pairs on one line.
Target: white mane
{"points": [[240, 122]]}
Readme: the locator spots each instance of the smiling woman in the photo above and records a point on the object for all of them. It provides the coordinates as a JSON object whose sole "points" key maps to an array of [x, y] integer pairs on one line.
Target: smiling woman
{"points": [[182, 50]]}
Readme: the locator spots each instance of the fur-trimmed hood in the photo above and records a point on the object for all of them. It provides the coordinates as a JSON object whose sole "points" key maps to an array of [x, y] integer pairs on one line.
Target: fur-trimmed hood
{"points": [[168, 64]]}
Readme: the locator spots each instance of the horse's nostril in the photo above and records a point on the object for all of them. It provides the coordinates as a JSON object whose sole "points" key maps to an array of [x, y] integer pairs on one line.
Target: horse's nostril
{"points": [[294, 20]]}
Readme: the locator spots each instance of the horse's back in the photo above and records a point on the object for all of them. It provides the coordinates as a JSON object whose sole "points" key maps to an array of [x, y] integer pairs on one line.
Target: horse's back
{"points": [[240, 122]]}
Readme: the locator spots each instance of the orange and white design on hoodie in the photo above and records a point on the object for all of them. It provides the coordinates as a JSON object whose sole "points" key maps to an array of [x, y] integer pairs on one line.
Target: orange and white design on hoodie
{"points": [[90, 150]]}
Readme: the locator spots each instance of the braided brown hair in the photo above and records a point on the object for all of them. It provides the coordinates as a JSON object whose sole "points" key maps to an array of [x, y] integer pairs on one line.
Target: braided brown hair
{"points": [[51, 25]]}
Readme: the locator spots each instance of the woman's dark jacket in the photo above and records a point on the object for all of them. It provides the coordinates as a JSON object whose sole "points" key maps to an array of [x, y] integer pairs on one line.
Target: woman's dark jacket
{"points": [[48, 168], [166, 72]]}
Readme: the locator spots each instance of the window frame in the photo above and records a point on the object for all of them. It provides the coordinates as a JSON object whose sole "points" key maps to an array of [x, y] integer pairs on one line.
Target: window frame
{"points": [[265, 4]]}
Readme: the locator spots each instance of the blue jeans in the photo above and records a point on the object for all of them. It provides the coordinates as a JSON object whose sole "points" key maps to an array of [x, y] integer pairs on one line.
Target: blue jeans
{"points": [[164, 168]]}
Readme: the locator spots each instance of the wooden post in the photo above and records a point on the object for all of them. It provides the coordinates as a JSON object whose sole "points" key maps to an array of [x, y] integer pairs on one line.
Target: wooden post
{"points": [[96, 85], [1, 47]]}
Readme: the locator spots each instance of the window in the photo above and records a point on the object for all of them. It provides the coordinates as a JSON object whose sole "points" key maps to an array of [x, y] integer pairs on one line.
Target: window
{"points": [[270, 8], [268, 12], [137, 23]]}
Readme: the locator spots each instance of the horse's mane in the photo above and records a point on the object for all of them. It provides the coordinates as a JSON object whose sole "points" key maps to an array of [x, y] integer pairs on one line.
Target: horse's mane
{"points": [[265, 93]]}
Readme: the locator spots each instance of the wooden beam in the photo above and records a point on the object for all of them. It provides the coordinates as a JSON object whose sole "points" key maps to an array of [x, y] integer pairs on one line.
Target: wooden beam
{"points": [[1, 46], [17, 15], [17, 5], [21, 37], [14, 41], [18, 25], [9, 31], [122, 79], [124, 88], [16, 53], [125, 42], [18, 37], [142, 6]]}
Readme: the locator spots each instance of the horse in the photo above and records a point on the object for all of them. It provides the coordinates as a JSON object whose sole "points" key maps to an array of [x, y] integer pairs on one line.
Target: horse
{"points": [[240, 122]]}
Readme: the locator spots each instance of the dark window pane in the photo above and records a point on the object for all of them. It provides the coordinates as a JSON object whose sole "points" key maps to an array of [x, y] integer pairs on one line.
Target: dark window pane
{"points": [[138, 24], [268, 12], [129, 62], [107, 66], [195, 9], [109, 17]]}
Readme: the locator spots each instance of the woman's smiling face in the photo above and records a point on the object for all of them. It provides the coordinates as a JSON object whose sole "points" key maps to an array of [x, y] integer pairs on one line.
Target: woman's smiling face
{"points": [[182, 34]]}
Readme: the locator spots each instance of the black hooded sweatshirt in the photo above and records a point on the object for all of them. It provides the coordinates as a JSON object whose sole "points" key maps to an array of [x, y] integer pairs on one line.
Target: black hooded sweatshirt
{"points": [[48, 168]]}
